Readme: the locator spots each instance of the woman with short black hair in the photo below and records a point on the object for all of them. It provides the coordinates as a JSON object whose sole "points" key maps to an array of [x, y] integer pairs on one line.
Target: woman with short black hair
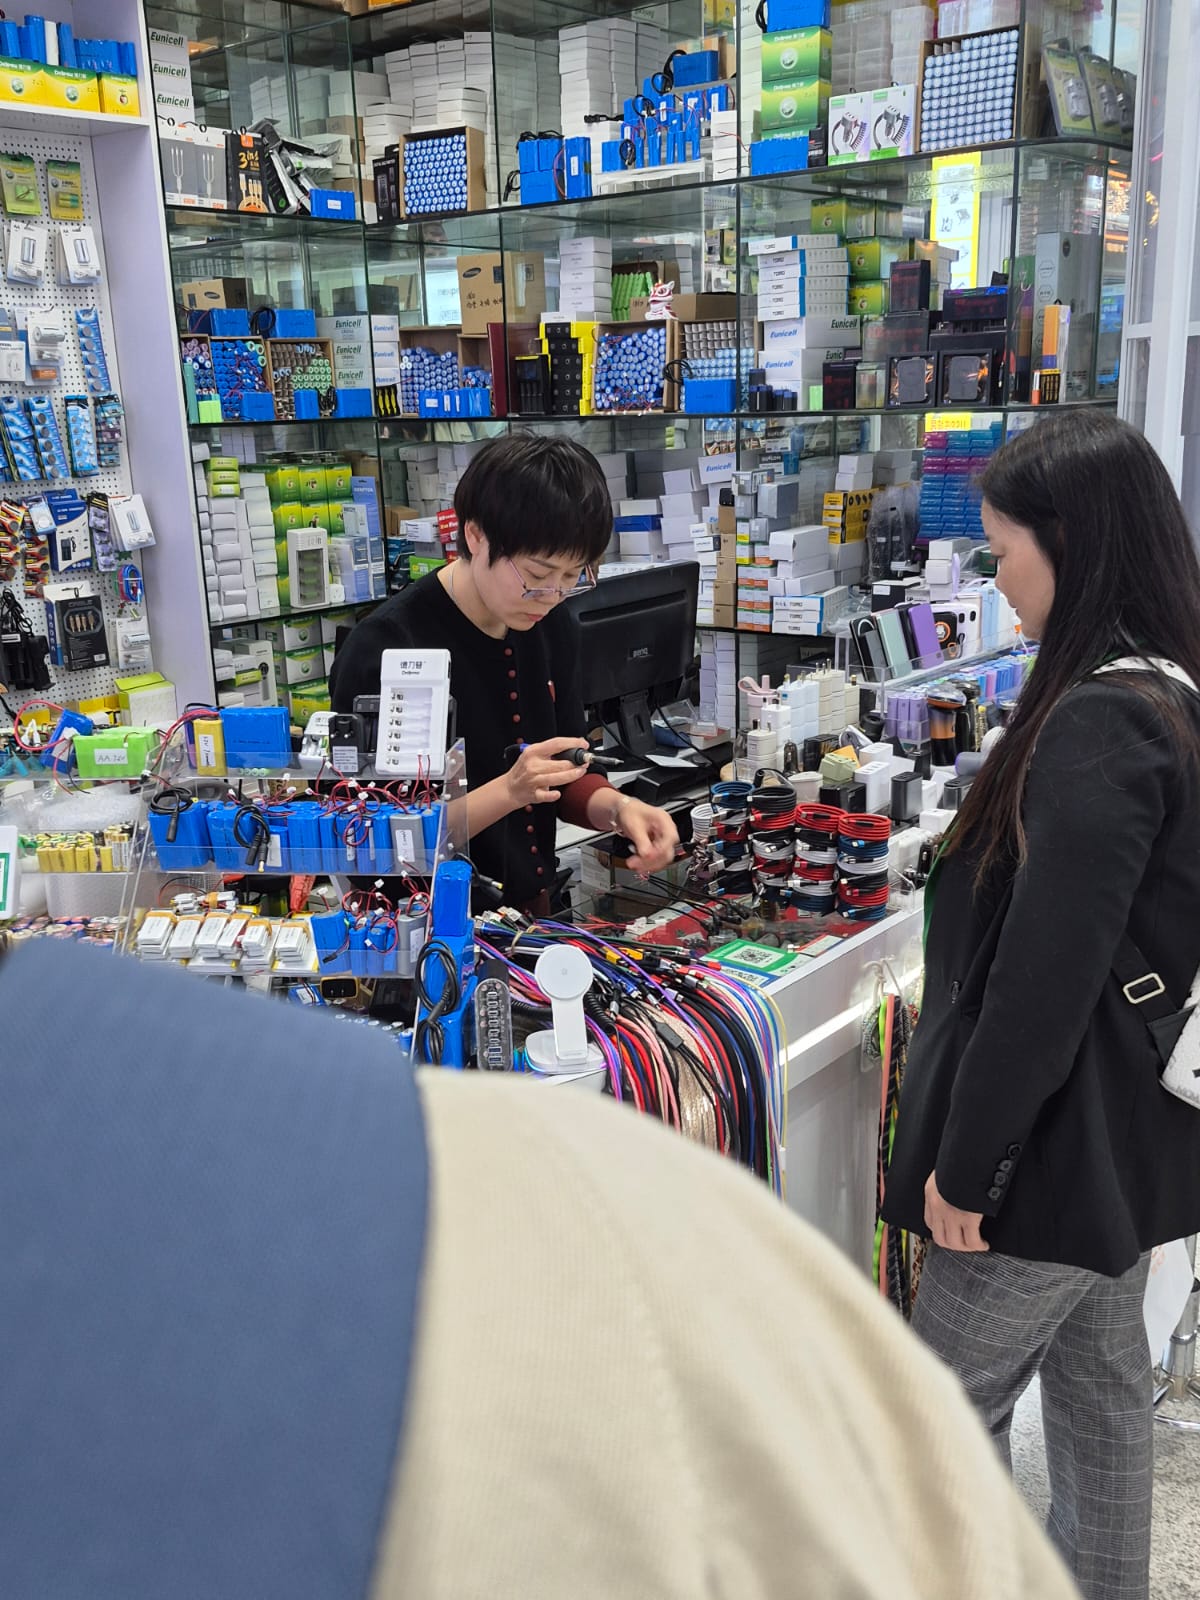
{"points": [[534, 518]]}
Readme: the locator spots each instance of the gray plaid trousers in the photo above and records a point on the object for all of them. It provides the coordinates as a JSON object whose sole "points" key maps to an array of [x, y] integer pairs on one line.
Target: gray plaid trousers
{"points": [[997, 1321]]}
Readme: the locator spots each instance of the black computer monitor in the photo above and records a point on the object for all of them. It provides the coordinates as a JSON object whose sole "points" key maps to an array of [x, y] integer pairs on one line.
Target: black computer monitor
{"points": [[638, 639]]}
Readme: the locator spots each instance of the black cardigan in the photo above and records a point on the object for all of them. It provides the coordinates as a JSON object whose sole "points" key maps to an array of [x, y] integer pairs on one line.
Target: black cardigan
{"points": [[522, 688], [1032, 1085]]}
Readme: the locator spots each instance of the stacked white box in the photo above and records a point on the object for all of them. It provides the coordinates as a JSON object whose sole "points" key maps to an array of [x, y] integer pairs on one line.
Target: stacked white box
{"points": [[718, 677], [585, 279], [725, 145], [585, 75]]}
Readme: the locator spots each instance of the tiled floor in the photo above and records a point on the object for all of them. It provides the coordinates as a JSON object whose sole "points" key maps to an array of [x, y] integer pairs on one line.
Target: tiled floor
{"points": [[1175, 1560]]}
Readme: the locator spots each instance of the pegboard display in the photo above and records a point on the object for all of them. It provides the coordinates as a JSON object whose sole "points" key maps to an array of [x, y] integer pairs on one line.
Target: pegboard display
{"points": [[49, 294]]}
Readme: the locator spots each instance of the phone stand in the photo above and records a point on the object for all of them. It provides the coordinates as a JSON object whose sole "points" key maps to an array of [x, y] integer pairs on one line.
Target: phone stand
{"points": [[565, 1052]]}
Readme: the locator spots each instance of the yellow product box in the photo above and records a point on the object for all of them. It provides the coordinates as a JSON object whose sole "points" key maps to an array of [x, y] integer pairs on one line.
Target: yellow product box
{"points": [[283, 482], [314, 484], [288, 514], [20, 80], [307, 698], [870, 299], [119, 95], [70, 88]]}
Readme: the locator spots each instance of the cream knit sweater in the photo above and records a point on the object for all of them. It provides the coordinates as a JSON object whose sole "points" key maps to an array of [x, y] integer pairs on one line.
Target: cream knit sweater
{"points": [[639, 1377]]}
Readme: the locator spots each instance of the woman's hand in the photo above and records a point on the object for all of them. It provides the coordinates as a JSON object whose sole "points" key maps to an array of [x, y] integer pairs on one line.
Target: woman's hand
{"points": [[951, 1228], [652, 834], [538, 774]]}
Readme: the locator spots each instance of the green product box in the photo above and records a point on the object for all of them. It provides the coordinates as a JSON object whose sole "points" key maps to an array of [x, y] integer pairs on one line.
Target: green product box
{"points": [[869, 299], [337, 481], [337, 517], [288, 515], [64, 185], [850, 219], [419, 566], [314, 484], [304, 666], [872, 258], [283, 482], [18, 179], [796, 53], [316, 514], [305, 698], [799, 104]]}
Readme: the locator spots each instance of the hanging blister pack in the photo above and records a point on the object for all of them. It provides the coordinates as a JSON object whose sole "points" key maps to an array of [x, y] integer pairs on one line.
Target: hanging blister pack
{"points": [[46, 336], [131, 529], [12, 519], [12, 349], [19, 447], [110, 430], [47, 437], [38, 524], [78, 259], [91, 348], [81, 436], [100, 528], [26, 259]]}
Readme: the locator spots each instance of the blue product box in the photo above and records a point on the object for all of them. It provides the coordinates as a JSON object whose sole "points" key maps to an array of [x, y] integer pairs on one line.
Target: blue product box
{"points": [[782, 14], [549, 152], [710, 394], [429, 403], [340, 205], [228, 323], [257, 407], [779, 155], [698, 66], [353, 403], [10, 43], [610, 156], [307, 403], [527, 155], [294, 323]]}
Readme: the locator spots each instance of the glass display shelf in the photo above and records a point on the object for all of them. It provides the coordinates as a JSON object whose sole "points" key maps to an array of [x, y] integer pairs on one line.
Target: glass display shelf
{"points": [[298, 611], [396, 27], [224, 228], [289, 423]]}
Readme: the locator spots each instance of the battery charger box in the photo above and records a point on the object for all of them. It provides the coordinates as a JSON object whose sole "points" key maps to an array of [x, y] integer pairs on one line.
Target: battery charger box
{"points": [[75, 627]]}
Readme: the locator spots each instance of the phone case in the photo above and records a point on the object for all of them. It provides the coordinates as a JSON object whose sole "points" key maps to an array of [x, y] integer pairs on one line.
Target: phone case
{"points": [[923, 633], [891, 632], [969, 628], [870, 647]]}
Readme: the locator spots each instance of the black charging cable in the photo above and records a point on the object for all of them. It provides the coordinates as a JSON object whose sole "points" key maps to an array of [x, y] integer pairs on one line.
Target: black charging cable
{"points": [[257, 845], [429, 1040], [172, 801]]}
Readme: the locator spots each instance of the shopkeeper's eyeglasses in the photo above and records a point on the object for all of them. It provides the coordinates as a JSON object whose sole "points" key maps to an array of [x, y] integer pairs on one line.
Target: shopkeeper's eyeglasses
{"points": [[530, 591]]}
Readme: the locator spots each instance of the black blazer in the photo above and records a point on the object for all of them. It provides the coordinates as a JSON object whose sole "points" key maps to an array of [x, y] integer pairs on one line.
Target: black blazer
{"points": [[1032, 1086]]}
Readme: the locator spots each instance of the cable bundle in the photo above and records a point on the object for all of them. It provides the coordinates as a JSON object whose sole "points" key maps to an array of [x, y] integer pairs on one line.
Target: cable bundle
{"points": [[683, 1041], [731, 825], [863, 866], [772, 835], [814, 871]]}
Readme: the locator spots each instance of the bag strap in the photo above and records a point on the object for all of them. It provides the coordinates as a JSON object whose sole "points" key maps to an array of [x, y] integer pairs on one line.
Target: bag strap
{"points": [[1169, 669], [1141, 984]]}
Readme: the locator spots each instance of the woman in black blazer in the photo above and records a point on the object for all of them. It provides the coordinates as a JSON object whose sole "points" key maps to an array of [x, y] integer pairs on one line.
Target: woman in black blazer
{"points": [[1035, 1143]]}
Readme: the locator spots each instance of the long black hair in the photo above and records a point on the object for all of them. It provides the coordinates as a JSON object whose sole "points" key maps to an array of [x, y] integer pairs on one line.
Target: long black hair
{"points": [[1100, 504]]}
